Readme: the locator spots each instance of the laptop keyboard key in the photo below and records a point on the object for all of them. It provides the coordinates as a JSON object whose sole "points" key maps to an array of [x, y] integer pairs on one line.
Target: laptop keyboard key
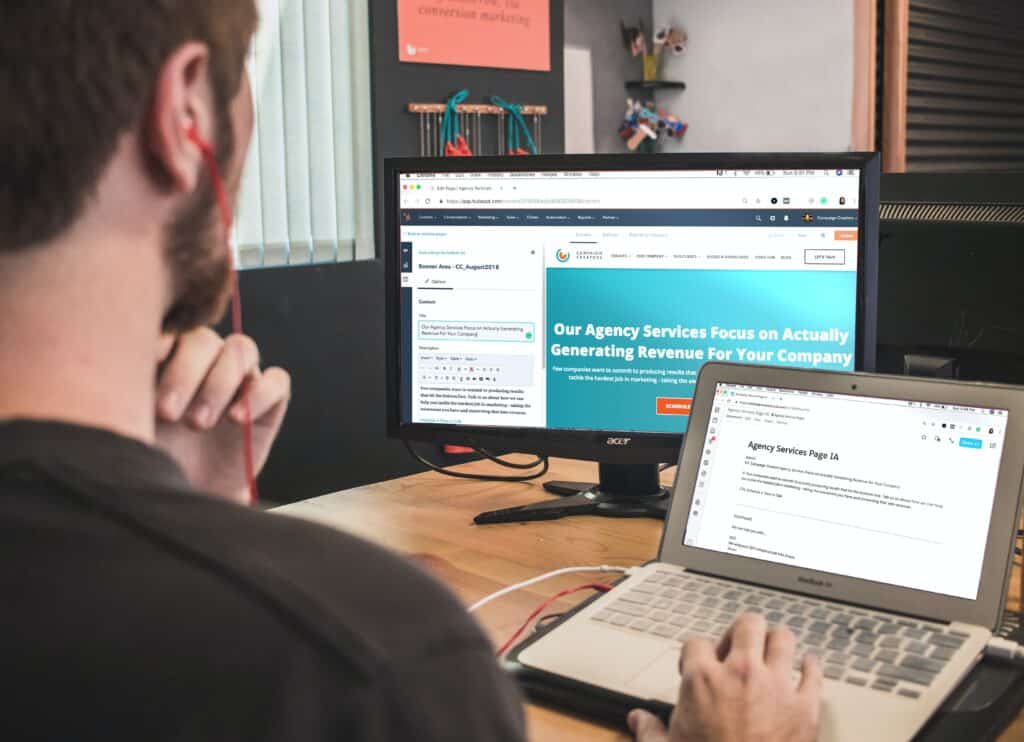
{"points": [[843, 619], [915, 647], [680, 621], [916, 662], [908, 693], [856, 680], [838, 658], [819, 627], [815, 640], [659, 616], [839, 645], [604, 615], [665, 630], [819, 613], [888, 628], [888, 656], [895, 672], [947, 640], [863, 665], [883, 688], [862, 650], [641, 624], [943, 654], [865, 624], [620, 619], [913, 632], [890, 642], [834, 672]]}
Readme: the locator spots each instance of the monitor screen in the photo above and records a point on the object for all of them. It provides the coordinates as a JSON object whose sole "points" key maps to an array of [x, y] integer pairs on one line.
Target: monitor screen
{"points": [[894, 491], [571, 300]]}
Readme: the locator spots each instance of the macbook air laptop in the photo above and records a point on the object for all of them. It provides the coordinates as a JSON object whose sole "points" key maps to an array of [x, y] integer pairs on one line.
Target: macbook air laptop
{"points": [[874, 516]]}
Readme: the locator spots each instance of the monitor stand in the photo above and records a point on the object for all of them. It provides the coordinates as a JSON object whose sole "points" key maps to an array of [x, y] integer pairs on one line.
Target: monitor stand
{"points": [[624, 491]]}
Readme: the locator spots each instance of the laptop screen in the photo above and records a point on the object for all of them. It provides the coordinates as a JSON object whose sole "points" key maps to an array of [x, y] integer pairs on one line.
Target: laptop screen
{"points": [[894, 491]]}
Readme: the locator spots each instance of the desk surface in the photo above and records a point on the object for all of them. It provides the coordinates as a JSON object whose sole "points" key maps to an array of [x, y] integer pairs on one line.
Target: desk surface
{"points": [[429, 517]]}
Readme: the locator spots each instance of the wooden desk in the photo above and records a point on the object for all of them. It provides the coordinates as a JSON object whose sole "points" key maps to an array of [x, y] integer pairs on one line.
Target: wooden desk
{"points": [[429, 517]]}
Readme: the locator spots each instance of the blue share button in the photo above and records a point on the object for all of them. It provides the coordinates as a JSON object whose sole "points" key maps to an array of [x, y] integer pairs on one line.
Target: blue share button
{"points": [[970, 443]]}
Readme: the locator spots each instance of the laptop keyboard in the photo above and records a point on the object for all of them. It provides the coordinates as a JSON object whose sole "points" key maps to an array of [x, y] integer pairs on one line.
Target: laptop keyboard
{"points": [[886, 653]]}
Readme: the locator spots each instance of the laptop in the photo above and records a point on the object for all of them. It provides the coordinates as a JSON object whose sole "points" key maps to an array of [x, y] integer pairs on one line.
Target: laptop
{"points": [[874, 516]]}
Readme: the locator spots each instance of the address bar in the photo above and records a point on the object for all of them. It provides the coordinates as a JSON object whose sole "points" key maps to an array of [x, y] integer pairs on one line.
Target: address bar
{"points": [[522, 201]]}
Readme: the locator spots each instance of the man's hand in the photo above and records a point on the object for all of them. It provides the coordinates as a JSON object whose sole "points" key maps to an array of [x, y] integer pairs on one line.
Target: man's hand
{"points": [[741, 692], [200, 416]]}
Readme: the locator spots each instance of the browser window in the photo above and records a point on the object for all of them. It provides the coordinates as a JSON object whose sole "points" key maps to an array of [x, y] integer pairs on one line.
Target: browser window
{"points": [[590, 300], [893, 491]]}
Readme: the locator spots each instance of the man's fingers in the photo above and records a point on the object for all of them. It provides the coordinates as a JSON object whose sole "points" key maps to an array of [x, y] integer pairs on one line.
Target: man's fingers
{"points": [[779, 649], [194, 354], [698, 654], [812, 682], [646, 727], [268, 395], [238, 359], [745, 640]]}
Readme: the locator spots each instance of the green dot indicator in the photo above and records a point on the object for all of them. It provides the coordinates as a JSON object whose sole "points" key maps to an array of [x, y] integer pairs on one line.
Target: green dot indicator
{"points": [[824, 200], [529, 336]]}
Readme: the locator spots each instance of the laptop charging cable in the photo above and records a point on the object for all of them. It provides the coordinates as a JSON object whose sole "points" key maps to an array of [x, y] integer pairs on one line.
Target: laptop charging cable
{"points": [[598, 586], [547, 576]]}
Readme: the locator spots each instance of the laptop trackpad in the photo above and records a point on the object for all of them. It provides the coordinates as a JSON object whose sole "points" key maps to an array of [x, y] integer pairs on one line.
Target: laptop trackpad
{"points": [[659, 679]]}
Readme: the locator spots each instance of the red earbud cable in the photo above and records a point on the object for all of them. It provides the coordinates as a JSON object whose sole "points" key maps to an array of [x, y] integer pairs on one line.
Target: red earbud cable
{"points": [[224, 207]]}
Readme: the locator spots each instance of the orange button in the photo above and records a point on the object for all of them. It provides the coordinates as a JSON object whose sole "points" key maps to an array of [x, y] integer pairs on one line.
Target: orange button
{"points": [[674, 406], [846, 234]]}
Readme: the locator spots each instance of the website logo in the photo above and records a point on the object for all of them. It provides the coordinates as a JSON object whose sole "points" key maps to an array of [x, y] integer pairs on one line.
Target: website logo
{"points": [[562, 256]]}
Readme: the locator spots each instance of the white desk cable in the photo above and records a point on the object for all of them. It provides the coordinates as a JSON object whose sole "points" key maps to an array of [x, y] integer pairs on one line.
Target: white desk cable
{"points": [[540, 578], [1006, 650]]}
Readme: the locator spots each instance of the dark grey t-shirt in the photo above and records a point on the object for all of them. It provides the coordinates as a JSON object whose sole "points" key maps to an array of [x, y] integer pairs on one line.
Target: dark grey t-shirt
{"points": [[133, 608]]}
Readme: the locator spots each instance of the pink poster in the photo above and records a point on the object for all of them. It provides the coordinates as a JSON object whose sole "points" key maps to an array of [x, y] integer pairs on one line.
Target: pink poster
{"points": [[510, 34]]}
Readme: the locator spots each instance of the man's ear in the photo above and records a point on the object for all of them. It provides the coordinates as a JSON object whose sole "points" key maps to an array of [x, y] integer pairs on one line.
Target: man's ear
{"points": [[183, 97]]}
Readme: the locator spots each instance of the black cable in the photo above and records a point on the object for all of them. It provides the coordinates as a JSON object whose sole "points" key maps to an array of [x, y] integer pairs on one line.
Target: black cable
{"points": [[479, 477], [545, 620], [510, 464]]}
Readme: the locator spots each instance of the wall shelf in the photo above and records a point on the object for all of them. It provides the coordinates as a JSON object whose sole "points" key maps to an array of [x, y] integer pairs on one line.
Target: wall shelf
{"points": [[655, 85]]}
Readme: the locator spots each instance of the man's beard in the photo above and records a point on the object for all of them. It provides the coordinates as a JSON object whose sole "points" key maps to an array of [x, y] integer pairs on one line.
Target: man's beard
{"points": [[200, 265], [198, 255]]}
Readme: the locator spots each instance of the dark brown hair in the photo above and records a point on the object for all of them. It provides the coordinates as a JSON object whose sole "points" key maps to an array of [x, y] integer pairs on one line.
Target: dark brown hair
{"points": [[74, 76]]}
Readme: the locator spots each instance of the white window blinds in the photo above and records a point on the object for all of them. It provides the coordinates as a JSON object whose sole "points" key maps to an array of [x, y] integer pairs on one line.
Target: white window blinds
{"points": [[306, 194]]}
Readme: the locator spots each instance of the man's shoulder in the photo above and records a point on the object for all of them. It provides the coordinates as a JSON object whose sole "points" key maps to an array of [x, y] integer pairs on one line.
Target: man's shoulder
{"points": [[321, 579]]}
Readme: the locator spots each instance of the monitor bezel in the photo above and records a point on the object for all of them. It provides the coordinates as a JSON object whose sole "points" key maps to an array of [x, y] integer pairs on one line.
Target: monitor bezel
{"points": [[609, 446]]}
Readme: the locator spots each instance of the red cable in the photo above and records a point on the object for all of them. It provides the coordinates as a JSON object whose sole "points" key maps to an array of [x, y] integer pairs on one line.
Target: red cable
{"points": [[592, 586], [224, 207]]}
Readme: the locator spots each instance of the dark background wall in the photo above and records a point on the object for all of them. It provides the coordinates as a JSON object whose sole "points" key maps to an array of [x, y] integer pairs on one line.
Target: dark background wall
{"points": [[325, 324]]}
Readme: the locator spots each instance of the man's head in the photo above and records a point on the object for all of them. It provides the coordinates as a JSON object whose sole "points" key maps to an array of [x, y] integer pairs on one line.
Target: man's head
{"points": [[81, 78]]}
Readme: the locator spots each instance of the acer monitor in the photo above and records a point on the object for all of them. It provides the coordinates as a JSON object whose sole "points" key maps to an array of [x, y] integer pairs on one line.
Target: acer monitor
{"points": [[563, 305]]}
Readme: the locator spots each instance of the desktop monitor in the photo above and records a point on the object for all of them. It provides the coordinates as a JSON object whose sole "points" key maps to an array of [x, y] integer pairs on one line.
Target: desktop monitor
{"points": [[563, 305]]}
